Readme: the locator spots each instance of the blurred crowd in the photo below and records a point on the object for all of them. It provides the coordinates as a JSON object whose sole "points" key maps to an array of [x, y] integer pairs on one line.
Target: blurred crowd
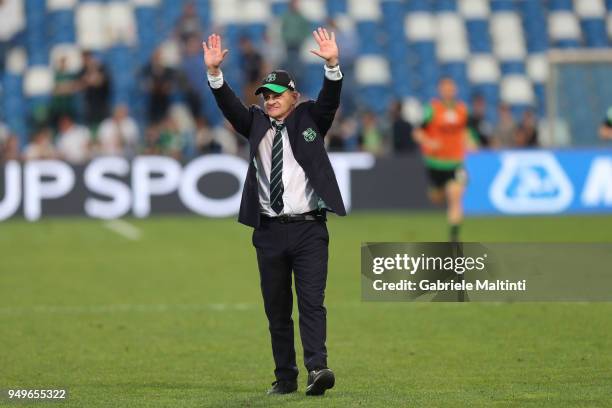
{"points": [[65, 129]]}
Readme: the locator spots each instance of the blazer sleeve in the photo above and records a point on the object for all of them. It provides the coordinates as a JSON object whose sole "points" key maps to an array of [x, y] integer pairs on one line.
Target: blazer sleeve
{"points": [[324, 108], [233, 109]]}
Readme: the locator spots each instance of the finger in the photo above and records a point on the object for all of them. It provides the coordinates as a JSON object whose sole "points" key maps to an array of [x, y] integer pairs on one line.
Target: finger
{"points": [[204, 46], [327, 37], [316, 36], [321, 33], [210, 42], [333, 36], [317, 53], [225, 51], [218, 38]]}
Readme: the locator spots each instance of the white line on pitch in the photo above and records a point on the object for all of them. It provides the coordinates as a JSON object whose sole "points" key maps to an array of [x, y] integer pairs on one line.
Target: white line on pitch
{"points": [[125, 308], [124, 228]]}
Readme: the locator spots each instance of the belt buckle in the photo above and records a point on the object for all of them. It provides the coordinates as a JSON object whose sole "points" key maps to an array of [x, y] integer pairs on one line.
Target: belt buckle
{"points": [[283, 219]]}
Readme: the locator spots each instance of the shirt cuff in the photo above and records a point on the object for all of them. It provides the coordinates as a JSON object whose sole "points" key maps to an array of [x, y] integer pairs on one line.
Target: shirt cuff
{"points": [[215, 81], [333, 74]]}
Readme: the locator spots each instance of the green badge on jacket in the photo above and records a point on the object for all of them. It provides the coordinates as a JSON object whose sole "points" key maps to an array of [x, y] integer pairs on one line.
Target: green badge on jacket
{"points": [[309, 134]]}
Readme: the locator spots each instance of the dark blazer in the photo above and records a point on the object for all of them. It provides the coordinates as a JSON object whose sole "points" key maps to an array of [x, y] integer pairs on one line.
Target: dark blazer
{"points": [[306, 125]]}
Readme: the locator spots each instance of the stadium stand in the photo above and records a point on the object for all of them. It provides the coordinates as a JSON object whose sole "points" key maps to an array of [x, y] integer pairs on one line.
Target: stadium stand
{"points": [[495, 48]]}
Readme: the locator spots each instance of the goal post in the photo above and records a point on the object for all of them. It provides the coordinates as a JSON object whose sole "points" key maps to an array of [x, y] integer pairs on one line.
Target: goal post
{"points": [[578, 95]]}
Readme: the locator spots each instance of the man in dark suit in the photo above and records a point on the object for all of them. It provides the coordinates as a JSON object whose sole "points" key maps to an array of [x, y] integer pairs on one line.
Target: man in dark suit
{"points": [[289, 187]]}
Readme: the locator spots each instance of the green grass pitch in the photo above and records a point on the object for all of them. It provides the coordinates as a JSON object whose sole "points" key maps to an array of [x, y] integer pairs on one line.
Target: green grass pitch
{"points": [[175, 319]]}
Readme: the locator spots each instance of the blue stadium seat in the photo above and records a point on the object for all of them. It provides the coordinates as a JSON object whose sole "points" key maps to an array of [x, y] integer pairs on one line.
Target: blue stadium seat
{"points": [[336, 7], [203, 9], [60, 26], [119, 62], [540, 93], [512, 67], [534, 25], [594, 31], [14, 105], [446, 5], [393, 13], [279, 8], [502, 5], [567, 44], [375, 98], [366, 31], [146, 19], [312, 81], [478, 36], [36, 37], [556, 5], [418, 5]]}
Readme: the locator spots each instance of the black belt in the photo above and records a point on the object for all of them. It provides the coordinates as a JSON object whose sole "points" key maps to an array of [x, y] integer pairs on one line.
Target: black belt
{"points": [[316, 215]]}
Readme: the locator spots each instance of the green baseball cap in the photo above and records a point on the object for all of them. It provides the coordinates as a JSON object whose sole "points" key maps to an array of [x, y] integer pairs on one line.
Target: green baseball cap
{"points": [[277, 81]]}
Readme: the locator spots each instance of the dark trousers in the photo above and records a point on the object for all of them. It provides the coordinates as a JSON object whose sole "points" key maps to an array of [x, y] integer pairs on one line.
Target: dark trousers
{"points": [[300, 247]]}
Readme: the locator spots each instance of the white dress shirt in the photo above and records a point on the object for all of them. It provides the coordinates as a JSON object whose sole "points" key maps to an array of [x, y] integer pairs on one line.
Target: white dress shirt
{"points": [[298, 195], [73, 144]]}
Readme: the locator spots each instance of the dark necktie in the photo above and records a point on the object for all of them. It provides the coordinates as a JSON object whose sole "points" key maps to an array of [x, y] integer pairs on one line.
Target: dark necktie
{"points": [[276, 174]]}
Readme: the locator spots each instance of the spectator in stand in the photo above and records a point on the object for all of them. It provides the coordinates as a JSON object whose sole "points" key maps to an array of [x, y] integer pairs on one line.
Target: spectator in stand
{"points": [[252, 67], [295, 28], [505, 131], [189, 24], [205, 138], [11, 150], [193, 84], [273, 47], [63, 101], [9, 146], [41, 146], [95, 83], [170, 141], [400, 129], [477, 123], [605, 130], [334, 141], [118, 134], [527, 132], [371, 138], [226, 138], [73, 141], [151, 139], [158, 82], [4, 136]]}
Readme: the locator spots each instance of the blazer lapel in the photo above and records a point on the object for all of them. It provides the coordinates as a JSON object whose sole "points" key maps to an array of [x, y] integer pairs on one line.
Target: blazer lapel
{"points": [[259, 135], [291, 124]]}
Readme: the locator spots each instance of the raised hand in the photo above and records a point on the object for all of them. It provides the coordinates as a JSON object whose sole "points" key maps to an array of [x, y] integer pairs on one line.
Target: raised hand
{"points": [[213, 53], [328, 49]]}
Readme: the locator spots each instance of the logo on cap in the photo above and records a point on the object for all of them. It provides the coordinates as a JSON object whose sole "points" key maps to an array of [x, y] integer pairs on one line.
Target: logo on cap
{"points": [[271, 77]]}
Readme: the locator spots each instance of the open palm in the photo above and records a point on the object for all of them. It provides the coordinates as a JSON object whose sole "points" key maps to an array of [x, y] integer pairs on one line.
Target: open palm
{"points": [[328, 49], [213, 53]]}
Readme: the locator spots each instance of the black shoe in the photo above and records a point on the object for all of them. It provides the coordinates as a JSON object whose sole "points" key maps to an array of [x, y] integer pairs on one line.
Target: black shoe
{"points": [[283, 387], [319, 381]]}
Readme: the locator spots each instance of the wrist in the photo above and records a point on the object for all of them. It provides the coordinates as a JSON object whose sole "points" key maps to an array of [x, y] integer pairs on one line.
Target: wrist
{"points": [[214, 71], [332, 63]]}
